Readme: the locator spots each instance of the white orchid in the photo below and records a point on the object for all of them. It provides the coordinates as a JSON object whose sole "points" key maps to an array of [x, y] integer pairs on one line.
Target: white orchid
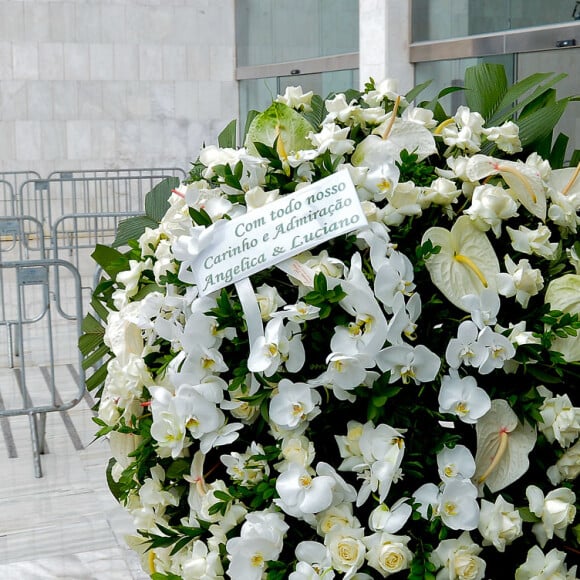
{"points": [[462, 397], [294, 404], [408, 363]]}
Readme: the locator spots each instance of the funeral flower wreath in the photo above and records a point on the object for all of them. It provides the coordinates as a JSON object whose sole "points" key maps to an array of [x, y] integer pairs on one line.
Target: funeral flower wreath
{"points": [[348, 348]]}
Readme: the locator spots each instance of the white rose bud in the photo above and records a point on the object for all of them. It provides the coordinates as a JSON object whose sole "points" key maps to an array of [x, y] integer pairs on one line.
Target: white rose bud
{"points": [[561, 420], [567, 467], [499, 523]]}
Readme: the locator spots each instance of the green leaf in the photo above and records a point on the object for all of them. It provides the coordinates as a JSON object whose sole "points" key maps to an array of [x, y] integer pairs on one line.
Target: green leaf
{"points": [[156, 201], [485, 85], [132, 229], [540, 123], [316, 116], [95, 356], [282, 124], [416, 91], [228, 137], [527, 515], [110, 260], [97, 378], [558, 153], [93, 333], [114, 487]]}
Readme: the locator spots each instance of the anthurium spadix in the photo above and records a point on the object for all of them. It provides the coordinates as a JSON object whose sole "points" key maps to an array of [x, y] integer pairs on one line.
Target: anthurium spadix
{"points": [[503, 446], [523, 180], [466, 262]]}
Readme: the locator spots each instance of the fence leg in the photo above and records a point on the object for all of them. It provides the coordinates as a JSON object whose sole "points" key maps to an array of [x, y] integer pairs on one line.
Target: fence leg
{"points": [[36, 443]]}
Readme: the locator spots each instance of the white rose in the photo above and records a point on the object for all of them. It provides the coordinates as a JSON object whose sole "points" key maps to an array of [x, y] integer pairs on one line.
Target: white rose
{"points": [[490, 206], [499, 523], [567, 467], [336, 517], [387, 553], [459, 558], [347, 551], [561, 420], [556, 510]]}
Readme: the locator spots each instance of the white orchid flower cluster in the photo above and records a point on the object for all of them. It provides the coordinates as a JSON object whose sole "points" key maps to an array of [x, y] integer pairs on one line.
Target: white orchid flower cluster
{"points": [[408, 406]]}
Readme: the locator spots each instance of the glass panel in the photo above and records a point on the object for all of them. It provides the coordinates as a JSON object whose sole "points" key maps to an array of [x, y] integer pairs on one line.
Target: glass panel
{"points": [[558, 61], [257, 94], [270, 32], [444, 19], [447, 73]]}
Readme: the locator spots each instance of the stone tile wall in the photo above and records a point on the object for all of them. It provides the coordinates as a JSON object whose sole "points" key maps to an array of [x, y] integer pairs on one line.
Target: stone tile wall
{"points": [[115, 83]]}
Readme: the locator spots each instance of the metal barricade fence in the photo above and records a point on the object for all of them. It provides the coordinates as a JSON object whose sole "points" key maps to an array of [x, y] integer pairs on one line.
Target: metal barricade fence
{"points": [[21, 238], [7, 198], [49, 199], [46, 342], [128, 172], [74, 238], [13, 180]]}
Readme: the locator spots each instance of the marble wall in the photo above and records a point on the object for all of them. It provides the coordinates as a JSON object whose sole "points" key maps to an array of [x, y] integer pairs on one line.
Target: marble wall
{"points": [[115, 83]]}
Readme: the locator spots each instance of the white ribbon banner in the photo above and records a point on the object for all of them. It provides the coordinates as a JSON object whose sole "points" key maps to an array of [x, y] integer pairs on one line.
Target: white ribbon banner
{"points": [[271, 234]]}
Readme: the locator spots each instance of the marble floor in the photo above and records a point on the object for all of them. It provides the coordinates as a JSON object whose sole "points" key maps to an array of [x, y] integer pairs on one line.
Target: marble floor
{"points": [[65, 524]]}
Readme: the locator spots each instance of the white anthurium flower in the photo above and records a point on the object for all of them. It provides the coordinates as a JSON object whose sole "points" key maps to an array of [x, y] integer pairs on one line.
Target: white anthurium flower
{"points": [[394, 276], [561, 420], [409, 363], [506, 137], [567, 467], [535, 241], [294, 404], [344, 373], [483, 307], [521, 281], [260, 540], [332, 138], [347, 549], [566, 182], [459, 558], [303, 493], [499, 523], [556, 510], [499, 350], [503, 446], [458, 505], [491, 205], [462, 397], [466, 262], [455, 463], [314, 562], [465, 349], [540, 566], [400, 134], [524, 180], [564, 294], [387, 553], [390, 520], [279, 345]]}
